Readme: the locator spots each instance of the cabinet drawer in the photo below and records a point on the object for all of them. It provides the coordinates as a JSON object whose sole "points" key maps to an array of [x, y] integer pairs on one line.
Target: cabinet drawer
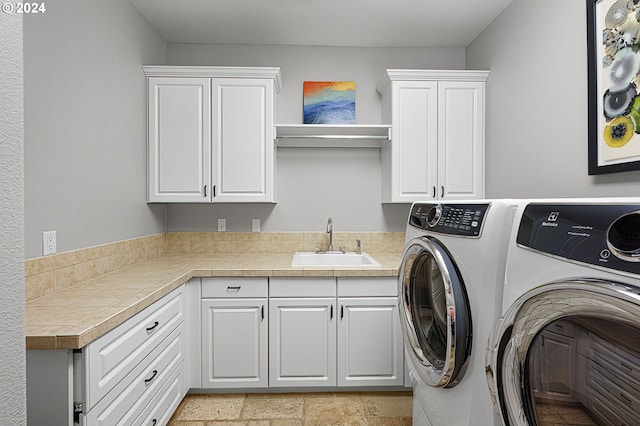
{"points": [[110, 358], [564, 328], [618, 393], [161, 408], [368, 287], [602, 409], [616, 359], [234, 287], [302, 287], [130, 397]]}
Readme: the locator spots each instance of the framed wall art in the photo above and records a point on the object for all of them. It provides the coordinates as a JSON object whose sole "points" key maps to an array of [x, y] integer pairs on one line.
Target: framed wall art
{"points": [[329, 102], [613, 39]]}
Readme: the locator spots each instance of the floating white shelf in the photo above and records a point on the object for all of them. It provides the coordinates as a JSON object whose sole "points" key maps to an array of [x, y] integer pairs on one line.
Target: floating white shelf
{"points": [[332, 135]]}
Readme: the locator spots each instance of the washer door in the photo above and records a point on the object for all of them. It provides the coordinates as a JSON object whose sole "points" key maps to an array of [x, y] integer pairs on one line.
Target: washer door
{"points": [[537, 366], [434, 312]]}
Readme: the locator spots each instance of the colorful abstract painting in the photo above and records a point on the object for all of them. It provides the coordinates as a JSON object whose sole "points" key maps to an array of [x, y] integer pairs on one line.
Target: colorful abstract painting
{"points": [[329, 102]]}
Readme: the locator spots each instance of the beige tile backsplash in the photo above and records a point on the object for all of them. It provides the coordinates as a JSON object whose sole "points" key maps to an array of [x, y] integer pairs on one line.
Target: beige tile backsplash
{"points": [[44, 275], [279, 242]]}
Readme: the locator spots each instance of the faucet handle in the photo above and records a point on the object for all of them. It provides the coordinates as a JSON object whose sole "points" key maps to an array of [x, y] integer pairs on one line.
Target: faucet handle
{"points": [[358, 247], [318, 249], [343, 249]]}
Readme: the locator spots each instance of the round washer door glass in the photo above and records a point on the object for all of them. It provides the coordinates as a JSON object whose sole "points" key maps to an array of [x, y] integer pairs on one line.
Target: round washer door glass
{"points": [[435, 314]]}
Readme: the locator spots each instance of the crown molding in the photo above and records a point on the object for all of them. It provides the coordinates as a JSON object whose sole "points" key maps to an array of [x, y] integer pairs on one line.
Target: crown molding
{"points": [[215, 72]]}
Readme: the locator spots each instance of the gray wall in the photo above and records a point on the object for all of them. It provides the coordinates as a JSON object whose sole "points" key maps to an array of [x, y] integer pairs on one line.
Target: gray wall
{"points": [[85, 135], [536, 132], [313, 184], [12, 350]]}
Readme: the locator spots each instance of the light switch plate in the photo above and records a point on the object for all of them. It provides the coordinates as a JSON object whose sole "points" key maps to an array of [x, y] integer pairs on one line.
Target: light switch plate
{"points": [[222, 225], [255, 225]]}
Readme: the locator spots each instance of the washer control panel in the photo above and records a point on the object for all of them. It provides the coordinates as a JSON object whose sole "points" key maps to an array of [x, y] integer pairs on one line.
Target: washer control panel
{"points": [[604, 235], [453, 219]]}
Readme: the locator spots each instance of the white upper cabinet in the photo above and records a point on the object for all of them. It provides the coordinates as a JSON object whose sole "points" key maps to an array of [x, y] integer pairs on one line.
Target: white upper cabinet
{"points": [[179, 139], [210, 134], [437, 135]]}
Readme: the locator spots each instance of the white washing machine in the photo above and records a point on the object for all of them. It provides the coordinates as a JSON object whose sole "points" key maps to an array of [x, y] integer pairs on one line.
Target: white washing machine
{"points": [[567, 348], [450, 288]]}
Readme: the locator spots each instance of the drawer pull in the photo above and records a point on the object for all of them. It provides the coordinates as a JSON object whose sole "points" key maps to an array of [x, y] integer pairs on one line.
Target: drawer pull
{"points": [[626, 398], [331, 314], [341, 311], [150, 379], [153, 327], [262, 310], [625, 366], [233, 288]]}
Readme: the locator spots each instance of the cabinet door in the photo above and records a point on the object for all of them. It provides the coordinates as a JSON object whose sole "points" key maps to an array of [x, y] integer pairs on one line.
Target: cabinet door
{"points": [[557, 365], [302, 342], [234, 343], [370, 349], [243, 148], [179, 140], [461, 140], [414, 145]]}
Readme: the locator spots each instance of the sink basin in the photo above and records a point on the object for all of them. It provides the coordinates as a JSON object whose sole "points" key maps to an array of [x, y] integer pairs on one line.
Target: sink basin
{"points": [[332, 259]]}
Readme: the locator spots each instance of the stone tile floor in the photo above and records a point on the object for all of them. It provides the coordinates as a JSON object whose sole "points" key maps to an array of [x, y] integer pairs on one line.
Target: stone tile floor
{"points": [[295, 409], [563, 414]]}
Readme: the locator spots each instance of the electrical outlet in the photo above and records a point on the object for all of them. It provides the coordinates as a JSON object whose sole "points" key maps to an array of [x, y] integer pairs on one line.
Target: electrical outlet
{"points": [[48, 243], [222, 225], [255, 225]]}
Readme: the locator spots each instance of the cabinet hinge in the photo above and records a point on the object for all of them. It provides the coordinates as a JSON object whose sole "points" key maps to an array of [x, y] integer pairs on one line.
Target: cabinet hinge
{"points": [[77, 410]]}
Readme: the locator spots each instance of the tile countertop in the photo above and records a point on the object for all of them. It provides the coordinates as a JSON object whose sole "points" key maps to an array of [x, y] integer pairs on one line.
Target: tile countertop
{"points": [[74, 317]]}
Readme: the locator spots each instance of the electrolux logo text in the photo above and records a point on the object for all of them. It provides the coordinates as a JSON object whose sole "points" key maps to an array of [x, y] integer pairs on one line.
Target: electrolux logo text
{"points": [[552, 219]]}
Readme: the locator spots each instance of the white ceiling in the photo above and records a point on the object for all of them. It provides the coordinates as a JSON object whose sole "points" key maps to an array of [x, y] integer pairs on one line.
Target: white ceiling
{"points": [[370, 23]]}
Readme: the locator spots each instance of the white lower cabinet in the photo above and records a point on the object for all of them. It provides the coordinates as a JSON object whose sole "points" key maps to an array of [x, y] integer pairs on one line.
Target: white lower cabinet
{"points": [[234, 333], [130, 399], [223, 333], [369, 342], [344, 333], [303, 342], [302, 332], [553, 366], [137, 370], [132, 375], [370, 348]]}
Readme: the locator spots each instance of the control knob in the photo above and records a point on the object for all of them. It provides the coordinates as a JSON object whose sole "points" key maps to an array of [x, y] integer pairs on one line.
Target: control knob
{"points": [[434, 215], [623, 237]]}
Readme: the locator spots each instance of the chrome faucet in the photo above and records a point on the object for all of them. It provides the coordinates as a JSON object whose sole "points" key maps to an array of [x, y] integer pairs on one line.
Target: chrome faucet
{"points": [[330, 232]]}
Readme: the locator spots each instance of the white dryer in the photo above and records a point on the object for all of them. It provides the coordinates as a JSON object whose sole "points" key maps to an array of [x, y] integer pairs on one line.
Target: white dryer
{"points": [[450, 288], [567, 349]]}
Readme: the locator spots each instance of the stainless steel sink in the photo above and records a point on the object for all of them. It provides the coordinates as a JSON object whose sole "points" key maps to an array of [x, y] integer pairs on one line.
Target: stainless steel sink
{"points": [[333, 259]]}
